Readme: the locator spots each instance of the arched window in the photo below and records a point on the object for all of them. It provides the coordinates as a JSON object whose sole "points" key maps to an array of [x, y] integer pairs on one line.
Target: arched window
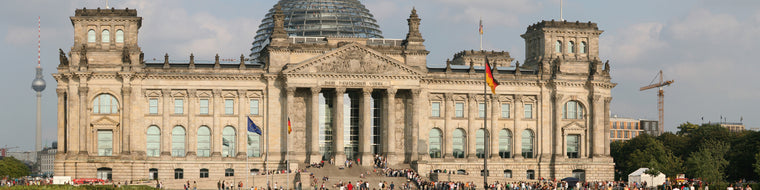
{"points": [[91, 36], [179, 173], [153, 173], [435, 143], [582, 47], [153, 142], [558, 46], [254, 144], [571, 47], [105, 104], [229, 172], [104, 173], [105, 37], [178, 141], [119, 36], [228, 142], [572, 110], [204, 142], [480, 143], [458, 143], [527, 144], [505, 144]]}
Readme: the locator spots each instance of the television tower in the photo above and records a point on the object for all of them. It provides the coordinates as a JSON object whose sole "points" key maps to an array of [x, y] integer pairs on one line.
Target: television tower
{"points": [[38, 85]]}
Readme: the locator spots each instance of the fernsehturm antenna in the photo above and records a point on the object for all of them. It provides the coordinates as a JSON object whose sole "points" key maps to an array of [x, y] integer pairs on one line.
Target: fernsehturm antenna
{"points": [[38, 85]]}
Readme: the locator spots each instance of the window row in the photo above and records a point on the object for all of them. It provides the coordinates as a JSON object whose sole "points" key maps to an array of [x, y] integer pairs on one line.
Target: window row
{"points": [[105, 36], [571, 47], [624, 134], [459, 110], [625, 125], [179, 142], [459, 139], [179, 173], [203, 106]]}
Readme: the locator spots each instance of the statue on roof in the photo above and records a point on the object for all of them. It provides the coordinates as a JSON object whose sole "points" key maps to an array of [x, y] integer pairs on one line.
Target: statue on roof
{"points": [[63, 59]]}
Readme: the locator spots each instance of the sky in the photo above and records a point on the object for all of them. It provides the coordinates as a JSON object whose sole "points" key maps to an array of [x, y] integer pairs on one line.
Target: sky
{"points": [[706, 46]]}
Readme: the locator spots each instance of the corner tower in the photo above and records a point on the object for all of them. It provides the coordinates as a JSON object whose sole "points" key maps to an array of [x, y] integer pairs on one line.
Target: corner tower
{"points": [[105, 38], [549, 44]]}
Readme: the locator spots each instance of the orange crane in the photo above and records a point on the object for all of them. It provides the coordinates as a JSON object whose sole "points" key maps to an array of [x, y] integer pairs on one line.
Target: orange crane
{"points": [[5, 149], [660, 97]]}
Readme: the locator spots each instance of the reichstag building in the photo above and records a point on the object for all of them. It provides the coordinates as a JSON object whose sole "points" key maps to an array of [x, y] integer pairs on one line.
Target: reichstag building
{"points": [[348, 92]]}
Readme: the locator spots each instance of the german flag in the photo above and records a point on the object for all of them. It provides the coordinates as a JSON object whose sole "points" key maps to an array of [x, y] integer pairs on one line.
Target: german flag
{"points": [[289, 126], [490, 80]]}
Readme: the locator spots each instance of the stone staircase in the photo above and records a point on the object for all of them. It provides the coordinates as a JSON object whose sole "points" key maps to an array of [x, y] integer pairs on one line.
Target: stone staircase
{"points": [[335, 175]]}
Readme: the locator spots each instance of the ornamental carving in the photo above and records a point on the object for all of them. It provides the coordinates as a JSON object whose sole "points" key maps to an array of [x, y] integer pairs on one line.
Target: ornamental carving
{"points": [[355, 61]]}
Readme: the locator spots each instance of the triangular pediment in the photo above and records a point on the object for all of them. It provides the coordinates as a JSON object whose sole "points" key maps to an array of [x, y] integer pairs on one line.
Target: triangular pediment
{"points": [[573, 126], [352, 59], [105, 121]]}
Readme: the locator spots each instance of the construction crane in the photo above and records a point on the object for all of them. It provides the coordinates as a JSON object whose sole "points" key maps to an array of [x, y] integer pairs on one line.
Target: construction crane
{"points": [[5, 150], [660, 97]]}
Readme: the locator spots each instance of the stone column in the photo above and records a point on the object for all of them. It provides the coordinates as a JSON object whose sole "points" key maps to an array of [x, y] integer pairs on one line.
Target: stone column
{"points": [[242, 143], [126, 109], [390, 129], [166, 129], [606, 134], [315, 156], [494, 129], [340, 155], [472, 113], [558, 134], [290, 92], [519, 115], [83, 113], [63, 130], [416, 104], [448, 126], [216, 129], [191, 136], [365, 139]]}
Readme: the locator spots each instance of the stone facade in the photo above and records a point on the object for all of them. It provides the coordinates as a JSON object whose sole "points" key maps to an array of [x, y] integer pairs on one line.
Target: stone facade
{"points": [[381, 93]]}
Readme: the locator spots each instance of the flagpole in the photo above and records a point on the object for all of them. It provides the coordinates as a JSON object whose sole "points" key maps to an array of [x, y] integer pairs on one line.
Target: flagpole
{"points": [[287, 157], [481, 34], [485, 123]]}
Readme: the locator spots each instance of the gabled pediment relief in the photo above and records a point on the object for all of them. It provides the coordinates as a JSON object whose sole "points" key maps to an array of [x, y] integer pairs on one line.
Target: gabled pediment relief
{"points": [[460, 97], [353, 59], [105, 121], [254, 94], [480, 98], [203, 93], [574, 127], [505, 98], [179, 93], [152, 93], [229, 94], [436, 97]]}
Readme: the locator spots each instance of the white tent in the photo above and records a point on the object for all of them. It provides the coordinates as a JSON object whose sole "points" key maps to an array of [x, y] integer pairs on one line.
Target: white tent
{"points": [[639, 176]]}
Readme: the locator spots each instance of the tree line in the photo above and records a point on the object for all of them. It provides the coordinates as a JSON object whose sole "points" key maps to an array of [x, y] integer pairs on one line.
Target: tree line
{"points": [[708, 152], [13, 168]]}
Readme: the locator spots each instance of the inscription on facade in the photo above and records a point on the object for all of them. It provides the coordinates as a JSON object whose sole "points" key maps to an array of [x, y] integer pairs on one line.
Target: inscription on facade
{"points": [[353, 83]]}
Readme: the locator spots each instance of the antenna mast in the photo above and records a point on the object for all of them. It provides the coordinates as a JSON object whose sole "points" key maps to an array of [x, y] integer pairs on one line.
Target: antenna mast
{"points": [[107, 5], [560, 11], [39, 34]]}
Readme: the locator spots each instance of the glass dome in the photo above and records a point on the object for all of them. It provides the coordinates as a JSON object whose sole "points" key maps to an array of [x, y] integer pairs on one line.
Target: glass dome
{"points": [[319, 18]]}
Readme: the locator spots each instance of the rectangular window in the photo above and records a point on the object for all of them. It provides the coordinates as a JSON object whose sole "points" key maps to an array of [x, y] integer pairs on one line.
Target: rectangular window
{"points": [[612, 134], [436, 109], [204, 107], [153, 106], [179, 106], [636, 125], [573, 144], [204, 173], [105, 143], [505, 110], [229, 107], [614, 125], [254, 106], [459, 109], [528, 111], [620, 134], [626, 134], [481, 110]]}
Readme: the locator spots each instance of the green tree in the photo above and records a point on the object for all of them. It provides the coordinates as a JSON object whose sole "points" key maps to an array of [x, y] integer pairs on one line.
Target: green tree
{"points": [[744, 146], [757, 163], [709, 162], [13, 168], [644, 151], [675, 143], [686, 128]]}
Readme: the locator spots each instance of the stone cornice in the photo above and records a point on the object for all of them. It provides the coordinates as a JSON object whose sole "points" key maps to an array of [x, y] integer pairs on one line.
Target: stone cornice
{"points": [[352, 76], [479, 82], [605, 85], [558, 83], [220, 76]]}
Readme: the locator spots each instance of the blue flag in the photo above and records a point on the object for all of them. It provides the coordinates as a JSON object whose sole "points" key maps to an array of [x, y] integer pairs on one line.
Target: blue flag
{"points": [[252, 127]]}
